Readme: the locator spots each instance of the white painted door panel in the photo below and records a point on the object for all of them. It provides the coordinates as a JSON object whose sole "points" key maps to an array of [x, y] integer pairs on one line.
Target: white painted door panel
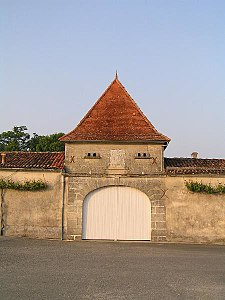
{"points": [[133, 215], [117, 213], [99, 214]]}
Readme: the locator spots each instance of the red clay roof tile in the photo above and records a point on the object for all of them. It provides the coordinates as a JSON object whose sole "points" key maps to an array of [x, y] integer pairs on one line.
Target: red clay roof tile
{"points": [[115, 117], [194, 166], [33, 160]]}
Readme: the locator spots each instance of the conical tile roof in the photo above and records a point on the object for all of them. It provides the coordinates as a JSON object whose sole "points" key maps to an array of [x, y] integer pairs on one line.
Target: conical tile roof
{"points": [[115, 117]]}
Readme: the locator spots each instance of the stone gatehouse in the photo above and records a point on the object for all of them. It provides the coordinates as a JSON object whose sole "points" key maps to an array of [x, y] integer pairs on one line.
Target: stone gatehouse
{"points": [[113, 182], [115, 145]]}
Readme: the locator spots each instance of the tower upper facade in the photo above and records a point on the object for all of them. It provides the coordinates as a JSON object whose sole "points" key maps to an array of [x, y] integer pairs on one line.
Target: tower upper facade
{"points": [[114, 137]]}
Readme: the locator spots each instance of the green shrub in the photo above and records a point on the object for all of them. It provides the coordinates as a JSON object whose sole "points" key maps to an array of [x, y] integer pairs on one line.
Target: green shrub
{"points": [[29, 185], [198, 187]]}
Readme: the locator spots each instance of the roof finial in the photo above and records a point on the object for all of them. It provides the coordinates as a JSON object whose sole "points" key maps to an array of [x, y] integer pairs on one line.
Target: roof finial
{"points": [[116, 77]]}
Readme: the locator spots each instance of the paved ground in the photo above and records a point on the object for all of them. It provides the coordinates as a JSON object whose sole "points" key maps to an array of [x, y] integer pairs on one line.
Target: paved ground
{"points": [[36, 269]]}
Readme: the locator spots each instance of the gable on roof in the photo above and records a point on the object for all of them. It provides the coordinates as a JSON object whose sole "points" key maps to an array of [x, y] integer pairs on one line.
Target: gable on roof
{"points": [[115, 117]]}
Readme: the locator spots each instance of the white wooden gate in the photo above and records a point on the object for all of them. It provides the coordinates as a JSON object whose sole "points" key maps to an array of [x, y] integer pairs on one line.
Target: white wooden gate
{"points": [[117, 213]]}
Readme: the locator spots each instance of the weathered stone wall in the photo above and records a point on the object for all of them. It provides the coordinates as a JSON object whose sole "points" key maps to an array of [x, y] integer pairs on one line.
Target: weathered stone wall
{"points": [[194, 217], [79, 187], [76, 159], [36, 214], [87, 174], [177, 215]]}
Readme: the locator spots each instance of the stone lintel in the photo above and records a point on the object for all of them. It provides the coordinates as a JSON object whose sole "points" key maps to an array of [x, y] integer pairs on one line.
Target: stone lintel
{"points": [[116, 171]]}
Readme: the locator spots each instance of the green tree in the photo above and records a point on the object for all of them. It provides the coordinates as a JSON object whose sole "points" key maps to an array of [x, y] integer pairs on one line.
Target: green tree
{"points": [[34, 141], [19, 140], [15, 140], [45, 143]]}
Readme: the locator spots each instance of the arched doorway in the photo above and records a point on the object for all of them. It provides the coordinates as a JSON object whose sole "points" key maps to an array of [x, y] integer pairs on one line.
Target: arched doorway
{"points": [[117, 213]]}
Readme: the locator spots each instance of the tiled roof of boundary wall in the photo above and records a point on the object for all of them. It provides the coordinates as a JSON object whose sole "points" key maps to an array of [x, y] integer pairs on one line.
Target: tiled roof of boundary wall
{"points": [[33, 160], [193, 166], [55, 160]]}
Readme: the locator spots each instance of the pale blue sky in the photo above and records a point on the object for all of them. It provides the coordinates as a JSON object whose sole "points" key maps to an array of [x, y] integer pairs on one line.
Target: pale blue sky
{"points": [[57, 58]]}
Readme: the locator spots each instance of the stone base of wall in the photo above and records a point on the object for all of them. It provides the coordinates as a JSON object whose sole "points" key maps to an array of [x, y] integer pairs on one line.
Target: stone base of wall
{"points": [[33, 232], [196, 240]]}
